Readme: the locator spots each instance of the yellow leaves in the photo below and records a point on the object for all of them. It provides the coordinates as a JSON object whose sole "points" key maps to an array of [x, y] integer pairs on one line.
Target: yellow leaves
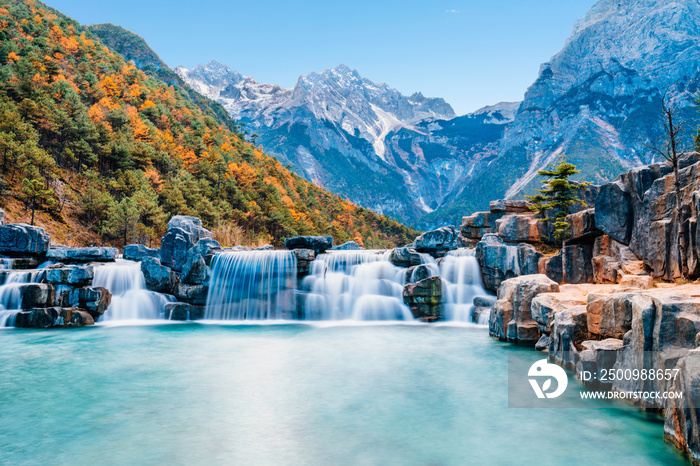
{"points": [[244, 174], [38, 19], [13, 57], [154, 177], [70, 44], [110, 87], [96, 113], [147, 104]]}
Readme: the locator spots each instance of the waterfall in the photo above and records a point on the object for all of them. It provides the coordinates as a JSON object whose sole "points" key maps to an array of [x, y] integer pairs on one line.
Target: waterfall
{"points": [[130, 298], [462, 278], [253, 285], [10, 296], [356, 285]]}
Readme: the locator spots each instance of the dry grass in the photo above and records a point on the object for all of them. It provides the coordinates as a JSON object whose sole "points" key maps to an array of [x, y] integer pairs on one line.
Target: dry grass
{"points": [[230, 234]]}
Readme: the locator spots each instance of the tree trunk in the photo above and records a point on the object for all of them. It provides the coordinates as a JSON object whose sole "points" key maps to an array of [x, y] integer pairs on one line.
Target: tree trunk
{"points": [[682, 259]]}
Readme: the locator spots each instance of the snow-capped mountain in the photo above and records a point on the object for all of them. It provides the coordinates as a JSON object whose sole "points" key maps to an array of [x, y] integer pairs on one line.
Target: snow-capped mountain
{"points": [[598, 101], [334, 128]]}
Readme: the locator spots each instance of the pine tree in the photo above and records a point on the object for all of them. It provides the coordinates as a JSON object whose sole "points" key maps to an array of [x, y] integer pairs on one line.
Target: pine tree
{"points": [[557, 196], [36, 195]]}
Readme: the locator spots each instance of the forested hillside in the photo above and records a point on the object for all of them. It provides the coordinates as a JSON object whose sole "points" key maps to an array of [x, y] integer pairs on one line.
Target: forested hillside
{"points": [[93, 147]]}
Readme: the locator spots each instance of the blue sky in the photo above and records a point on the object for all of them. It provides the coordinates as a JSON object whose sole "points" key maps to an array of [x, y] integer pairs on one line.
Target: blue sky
{"points": [[472, 53]]}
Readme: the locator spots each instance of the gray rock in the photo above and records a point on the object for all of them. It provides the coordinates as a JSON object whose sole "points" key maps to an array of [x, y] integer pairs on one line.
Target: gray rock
{"points": [[511, 316], [417, 273], [554, 267], [207, 248], [94, 299], [192, 294], [438, 242], [509, 205], [53, 317], [174, 247], [136, 252], [348, 246], [35, 295], [425, 298], [582, 225], [543, 343], [18, 239], [681, 423], [597, 356], [72, 255], [567, 327], [195, 270], [484, 301], [578, 267], [404, 257], [158, 277], [317, 243], [183, 311], [613, 211], [192, 225], [499, 261], [77, 275], [520, 228]]}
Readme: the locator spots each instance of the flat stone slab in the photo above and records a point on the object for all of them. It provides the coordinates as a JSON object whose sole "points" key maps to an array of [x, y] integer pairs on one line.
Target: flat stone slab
{"points": [[94, 254]]}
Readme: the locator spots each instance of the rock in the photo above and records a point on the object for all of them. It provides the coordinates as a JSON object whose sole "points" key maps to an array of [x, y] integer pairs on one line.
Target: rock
{"points": [[554, 267], [174, 247], [192, 225], [425, 298], [183, 311], [304, 259], [193, 294], [53, 317], [582, 225], [475, 226], [509, 205], [78, 275], [417, 273], [543, 343], [94, 299], [2, 217], [519, 228], [499, 261], [158, 277], [317, 243], [484, 301], [19, 239], [437, 242], [578, 266], [546, 305], [613, 211], [511, 316], [676, 321], [207, 248], [610, 315], [347, 246], [597, 356], [404, 257], [681, 423], [136, 252], [195, 270], [612, 260], [567, 327], [632, 282], [31, 295], [70, 255]]}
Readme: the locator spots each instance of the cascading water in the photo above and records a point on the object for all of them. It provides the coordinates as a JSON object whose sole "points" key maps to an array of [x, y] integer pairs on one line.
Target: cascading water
{"points": [[253, 285], [10, 296], [130, 298], [462, 277], [356, 285]]}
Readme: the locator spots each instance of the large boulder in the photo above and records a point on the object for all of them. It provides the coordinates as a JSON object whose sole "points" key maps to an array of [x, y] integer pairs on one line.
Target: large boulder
{"points": [[500, 261], [509, 206], [682, 423], [437, 242], [94, 299], [158, 277], [53, 317], [93, 254], [19, 239], [31, 295], [425, 298], [193, 294], [568, 326], [183, 311], [612, 260], [511, 316], [613, 211], [195, 270], [347, 246], [578, 267], [582, 225], [317, 243], [183, 233], [520, 228], [404, 257], [136, 252], [76, 275], [304, 259]]}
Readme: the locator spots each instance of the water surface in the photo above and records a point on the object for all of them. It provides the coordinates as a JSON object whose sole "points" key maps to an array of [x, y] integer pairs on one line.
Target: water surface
{"points": [[291, 395]]}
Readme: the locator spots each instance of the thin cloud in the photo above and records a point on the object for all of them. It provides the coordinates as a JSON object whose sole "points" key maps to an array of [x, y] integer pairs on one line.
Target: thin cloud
{"points": [[452, 12]]}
